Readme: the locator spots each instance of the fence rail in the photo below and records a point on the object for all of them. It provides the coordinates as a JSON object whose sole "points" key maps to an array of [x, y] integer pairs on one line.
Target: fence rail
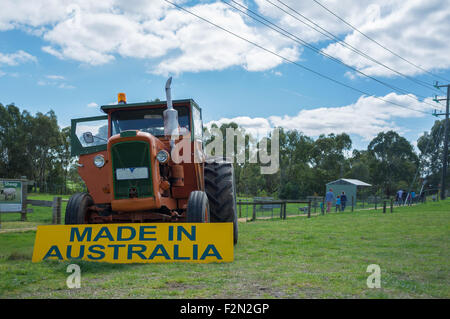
{"points": [[260, 207], [312, 205], [282, 204]]}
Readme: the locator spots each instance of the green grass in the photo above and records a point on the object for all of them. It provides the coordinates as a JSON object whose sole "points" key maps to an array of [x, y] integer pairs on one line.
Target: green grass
{"points": [[321, 257]]}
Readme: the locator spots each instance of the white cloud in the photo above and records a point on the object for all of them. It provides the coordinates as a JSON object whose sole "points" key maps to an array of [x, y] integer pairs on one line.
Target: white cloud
{"points": [[55, 77], [204, 47], [416, 30], [255, 126], [97, 32], [66, 86], [56, 81], [92, 104], [13, 59], [366, 118]]}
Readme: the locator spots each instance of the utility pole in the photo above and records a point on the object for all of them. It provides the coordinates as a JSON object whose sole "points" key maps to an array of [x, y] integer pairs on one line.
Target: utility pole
{"points": [[445, 152]]}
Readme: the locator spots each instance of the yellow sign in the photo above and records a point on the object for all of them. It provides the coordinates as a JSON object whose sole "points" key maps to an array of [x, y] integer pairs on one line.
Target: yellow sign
{"points": [[136, 243]]}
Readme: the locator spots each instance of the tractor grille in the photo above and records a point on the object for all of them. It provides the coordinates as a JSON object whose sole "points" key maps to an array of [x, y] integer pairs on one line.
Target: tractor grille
{"points": [[126, 158]]}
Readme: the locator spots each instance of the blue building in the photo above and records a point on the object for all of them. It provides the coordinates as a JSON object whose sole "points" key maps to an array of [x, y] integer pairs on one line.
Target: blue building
{"points": [[349, 186]]}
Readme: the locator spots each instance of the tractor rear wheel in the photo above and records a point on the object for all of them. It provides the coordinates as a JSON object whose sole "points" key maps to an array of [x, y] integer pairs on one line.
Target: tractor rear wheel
{"points": [[221, 190], [77, 209], [198, 208]]}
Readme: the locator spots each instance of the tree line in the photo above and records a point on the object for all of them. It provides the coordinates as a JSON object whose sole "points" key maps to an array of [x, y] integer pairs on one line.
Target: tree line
{"points": [[36, 147], [389, 163]]}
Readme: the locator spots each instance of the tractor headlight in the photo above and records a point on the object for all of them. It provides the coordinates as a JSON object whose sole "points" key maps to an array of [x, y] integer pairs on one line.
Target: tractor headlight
{"points": [[99, 161], [162, 156]]}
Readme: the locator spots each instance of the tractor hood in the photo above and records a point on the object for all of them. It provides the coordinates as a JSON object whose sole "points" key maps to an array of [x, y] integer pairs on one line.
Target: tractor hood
{"points": [[133, 172]]}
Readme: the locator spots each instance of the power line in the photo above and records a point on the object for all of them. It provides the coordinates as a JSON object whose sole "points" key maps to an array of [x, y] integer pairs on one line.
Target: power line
{"points": [[345, 44], [317, 50], [379, 44], [293, 62]]}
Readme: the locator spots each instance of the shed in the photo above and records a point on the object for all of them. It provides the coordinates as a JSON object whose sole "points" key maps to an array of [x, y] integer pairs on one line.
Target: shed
{"points": [[349, 186]]}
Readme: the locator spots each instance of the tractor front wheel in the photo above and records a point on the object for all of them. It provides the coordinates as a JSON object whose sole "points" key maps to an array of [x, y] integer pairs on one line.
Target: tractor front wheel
{"points": [[198, 208], [77, 210]]}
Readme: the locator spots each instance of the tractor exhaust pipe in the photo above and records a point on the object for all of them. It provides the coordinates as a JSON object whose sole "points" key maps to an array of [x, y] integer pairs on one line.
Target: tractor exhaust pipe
{"points": [[170, 115]]}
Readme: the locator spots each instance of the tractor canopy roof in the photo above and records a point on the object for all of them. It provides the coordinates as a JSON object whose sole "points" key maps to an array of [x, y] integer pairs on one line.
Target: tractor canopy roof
{"points": [[111, 107]]}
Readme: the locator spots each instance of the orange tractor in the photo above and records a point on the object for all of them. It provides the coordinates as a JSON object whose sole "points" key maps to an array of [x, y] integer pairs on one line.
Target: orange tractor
{"points": [[125, 160]]}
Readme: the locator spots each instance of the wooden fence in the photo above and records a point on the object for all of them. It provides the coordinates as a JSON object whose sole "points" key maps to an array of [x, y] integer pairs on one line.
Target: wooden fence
{"points": [[56, 205], [280, 203], [25, 201], [312, 203]]}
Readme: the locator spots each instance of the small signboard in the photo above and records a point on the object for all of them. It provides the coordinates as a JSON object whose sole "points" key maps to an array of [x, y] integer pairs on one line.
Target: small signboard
{"points": [[136, 243], [10, 196]]}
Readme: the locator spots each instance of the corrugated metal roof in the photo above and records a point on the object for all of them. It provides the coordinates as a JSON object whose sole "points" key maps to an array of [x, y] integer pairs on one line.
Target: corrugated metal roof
{"points": [[356, 182]]}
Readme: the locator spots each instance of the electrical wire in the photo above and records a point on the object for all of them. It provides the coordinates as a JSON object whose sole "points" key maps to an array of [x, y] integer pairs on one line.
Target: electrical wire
{"points": [[292, 62], [379, 44], [317, 50], [346, 45]]}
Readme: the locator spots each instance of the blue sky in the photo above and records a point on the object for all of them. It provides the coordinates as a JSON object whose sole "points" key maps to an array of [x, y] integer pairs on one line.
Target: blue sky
{"points": [[67, 55]]}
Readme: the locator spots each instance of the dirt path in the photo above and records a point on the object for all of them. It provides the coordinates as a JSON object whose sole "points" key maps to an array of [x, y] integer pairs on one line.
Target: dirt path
{"points": [[12, 230]]}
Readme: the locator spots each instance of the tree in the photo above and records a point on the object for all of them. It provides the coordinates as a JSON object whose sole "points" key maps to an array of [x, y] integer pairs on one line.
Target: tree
{"points": [[359, 166], [392, 161], [45, 141], [431, 145], [64, 154], [295, 164], [328, 159], [14, 137]]}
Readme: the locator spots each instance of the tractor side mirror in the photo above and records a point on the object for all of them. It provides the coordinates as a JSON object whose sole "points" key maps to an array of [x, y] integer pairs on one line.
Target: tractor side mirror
{"points": [[88, 137]]}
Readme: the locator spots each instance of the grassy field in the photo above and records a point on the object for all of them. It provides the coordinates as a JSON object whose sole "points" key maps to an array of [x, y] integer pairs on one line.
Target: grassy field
{"points": [[321, 257]]}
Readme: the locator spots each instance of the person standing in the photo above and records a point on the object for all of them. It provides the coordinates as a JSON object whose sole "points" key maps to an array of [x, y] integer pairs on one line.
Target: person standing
{"points": [[338, 203], [343, 201], [413, 197], [399, 197], [329, 198]]}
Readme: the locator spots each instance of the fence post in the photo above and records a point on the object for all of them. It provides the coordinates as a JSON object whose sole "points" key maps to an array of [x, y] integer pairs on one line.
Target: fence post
{"points": [[254, 212], [240, 209], [353, 203], [284, 211], [392, 205], [375, 203], [309, 209], [384, 207], [281, 211], [56, 210], [23, 213], [323, 206]]}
